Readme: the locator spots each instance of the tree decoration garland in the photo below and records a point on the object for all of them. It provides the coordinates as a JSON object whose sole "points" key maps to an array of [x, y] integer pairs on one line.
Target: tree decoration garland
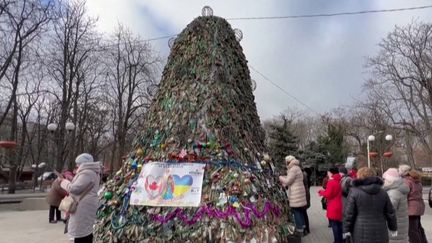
{"points": [[212, 212], [203, 112]]}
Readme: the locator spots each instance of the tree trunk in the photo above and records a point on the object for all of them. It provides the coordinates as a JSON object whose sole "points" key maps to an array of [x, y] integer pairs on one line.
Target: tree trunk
{"points": [[121, 150], [12, 154]]}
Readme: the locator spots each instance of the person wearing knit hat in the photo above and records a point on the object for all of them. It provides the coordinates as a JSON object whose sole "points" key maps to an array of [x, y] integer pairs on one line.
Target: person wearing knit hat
{"points": [[345, 184], [404, 169], [398, 191], [84, 186], [391, 174], [296, 191], [416, 207], [333, 194]]}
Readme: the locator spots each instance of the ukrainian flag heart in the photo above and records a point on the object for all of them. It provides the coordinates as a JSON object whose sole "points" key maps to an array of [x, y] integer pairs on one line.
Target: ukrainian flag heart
{"points": [[182, 184]]}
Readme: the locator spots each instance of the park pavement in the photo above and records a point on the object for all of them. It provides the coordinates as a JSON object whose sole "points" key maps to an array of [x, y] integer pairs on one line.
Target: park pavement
{"points": [[33, 226], [318, 221]]}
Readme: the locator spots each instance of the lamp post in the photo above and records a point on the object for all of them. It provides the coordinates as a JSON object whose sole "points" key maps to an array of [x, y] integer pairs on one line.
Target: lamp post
{"points": [[371, 138], [52, 127], [37, 168]]}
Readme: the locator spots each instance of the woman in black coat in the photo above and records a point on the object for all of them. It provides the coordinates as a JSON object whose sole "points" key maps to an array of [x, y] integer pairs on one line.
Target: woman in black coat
{"points": [[369, 213]]}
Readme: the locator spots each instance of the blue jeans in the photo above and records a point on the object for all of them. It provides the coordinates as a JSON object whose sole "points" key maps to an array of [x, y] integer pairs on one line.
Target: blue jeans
{"points": [[337, 231], [298, 218]]}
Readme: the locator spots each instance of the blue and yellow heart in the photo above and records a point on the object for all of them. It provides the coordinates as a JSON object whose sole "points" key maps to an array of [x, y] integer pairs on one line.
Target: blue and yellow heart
{"points": [[182, 184]]}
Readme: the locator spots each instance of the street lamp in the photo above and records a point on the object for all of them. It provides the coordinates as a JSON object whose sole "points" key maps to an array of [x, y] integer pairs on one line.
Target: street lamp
{"points": [[371, 138], [37, 170], [70, 126], [388, 137], [52, 127]]}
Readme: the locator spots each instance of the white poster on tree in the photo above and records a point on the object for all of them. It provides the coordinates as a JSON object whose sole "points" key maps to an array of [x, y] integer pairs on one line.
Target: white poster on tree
{"points": [[169, 185]]}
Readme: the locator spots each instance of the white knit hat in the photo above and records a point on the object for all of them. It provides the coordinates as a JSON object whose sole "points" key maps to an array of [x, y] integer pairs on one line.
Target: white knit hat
{"points": [[289, 158], [84, 158], [391, 174], [404, 169]]}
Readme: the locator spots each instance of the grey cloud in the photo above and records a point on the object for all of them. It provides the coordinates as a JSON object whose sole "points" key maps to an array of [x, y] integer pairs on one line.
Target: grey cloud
{"points": [[319, 60]]}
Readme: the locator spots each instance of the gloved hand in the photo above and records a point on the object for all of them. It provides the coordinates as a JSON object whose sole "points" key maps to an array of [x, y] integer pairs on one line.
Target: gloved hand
{"points": [[393, 233], [346, 235]]}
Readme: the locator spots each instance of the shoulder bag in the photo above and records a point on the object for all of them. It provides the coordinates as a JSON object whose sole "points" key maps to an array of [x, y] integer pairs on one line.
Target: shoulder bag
{"points": [[70, 204]]}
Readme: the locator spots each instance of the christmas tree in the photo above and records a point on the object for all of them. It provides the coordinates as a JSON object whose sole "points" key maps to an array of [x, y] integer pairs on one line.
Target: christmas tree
{"points": [[202, 114]]}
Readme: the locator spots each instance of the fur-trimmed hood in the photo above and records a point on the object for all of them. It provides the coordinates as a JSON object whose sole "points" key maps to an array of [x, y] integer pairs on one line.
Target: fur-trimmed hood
{"points": [[371, 185], [93, 166], [293, 163]]}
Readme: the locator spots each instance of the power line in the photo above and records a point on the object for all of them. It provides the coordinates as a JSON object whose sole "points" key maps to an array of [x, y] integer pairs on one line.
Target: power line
{"points": [[331, 14], [283, 90], [298, 16], [159, 38]]}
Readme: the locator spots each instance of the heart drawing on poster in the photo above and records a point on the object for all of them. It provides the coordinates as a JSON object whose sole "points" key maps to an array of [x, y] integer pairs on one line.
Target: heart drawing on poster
{"points": [[153, 186], [182, 184]]}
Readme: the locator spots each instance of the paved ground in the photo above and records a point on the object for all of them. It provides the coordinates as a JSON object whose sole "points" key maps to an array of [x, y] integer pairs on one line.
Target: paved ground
{"points": [[321, 233], [30, 226], [33, 226]]}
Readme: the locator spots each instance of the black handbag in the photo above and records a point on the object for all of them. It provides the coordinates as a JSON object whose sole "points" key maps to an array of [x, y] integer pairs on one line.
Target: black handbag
{"points": [[324, 203], [66, 226]]}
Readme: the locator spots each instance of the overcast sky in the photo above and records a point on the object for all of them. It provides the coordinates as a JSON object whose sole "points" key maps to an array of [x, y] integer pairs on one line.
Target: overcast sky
{"points": [[318, 60]]}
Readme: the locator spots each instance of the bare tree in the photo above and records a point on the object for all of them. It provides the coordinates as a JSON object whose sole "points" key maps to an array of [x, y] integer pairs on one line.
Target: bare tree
{"points": [[73, 41], [401, 87], [129, 67], [22, 22], [22, 25]]}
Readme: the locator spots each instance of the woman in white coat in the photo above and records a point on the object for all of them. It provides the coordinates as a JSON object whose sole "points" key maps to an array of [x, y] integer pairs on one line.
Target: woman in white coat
{"points": [[85, 185], [296, 191], [398, 191]]}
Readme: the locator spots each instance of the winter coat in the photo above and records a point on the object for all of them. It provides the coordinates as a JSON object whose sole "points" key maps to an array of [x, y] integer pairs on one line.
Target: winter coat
{"points": [[416, 205], [333, 194], [398, 193], [81, 222], [369, 212], [56, 194], [294, 182], [345, 185]]}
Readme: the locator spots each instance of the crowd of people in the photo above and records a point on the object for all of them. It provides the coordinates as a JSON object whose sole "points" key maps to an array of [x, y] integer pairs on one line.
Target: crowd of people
{"points": [[82, 185], [361, 206]]}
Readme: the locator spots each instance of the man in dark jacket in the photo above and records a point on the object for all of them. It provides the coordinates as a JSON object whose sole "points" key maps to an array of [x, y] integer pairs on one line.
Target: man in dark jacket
{"points": [[307, 184], [369, 211], [430, 197], [345, 184]]}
